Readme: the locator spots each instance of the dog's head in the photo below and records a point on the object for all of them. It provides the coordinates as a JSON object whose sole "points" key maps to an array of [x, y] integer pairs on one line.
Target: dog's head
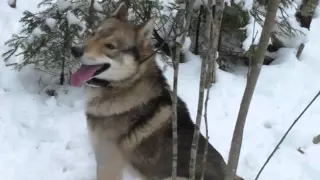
{"points": [[114, 52]]}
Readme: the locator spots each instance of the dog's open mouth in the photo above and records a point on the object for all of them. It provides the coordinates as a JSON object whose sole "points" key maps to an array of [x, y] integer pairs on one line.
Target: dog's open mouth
{"points": [[86, 72]]}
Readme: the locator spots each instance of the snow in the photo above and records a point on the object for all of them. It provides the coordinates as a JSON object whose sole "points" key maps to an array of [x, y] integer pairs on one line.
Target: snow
{"points": [[247, 4], [63, 5], [36, 33], [72, 19], [11, 2], [97, 6], [253, 31], [45, 137], [51, 22]]}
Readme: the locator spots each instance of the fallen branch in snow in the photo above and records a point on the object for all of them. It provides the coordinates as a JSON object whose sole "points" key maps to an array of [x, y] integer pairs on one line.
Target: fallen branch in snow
{"points": [[12, 3], [252, 79], [300, 150], [300, 49], [285, 135], [316, 140]]}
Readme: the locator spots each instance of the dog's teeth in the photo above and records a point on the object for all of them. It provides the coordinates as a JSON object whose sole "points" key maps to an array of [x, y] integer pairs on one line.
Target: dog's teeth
{"points": [[75, 68]]}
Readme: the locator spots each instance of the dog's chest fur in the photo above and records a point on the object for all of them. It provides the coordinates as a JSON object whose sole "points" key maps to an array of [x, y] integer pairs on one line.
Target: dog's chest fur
{"points": [[115, 116]]}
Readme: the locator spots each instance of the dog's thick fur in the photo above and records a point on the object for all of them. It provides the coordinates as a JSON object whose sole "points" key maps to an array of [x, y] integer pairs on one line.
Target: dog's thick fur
{"points": [[128, 107]]}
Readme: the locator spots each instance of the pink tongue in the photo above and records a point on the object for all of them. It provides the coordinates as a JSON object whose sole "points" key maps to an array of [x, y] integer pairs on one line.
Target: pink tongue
{"points": [[83, 74]]}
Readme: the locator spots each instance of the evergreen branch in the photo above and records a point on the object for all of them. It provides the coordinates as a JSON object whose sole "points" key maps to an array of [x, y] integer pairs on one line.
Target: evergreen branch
{"points": [[7, 55]]}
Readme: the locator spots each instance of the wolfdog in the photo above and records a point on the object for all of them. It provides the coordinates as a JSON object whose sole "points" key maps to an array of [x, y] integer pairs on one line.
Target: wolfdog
{"points": [[129, 105]]}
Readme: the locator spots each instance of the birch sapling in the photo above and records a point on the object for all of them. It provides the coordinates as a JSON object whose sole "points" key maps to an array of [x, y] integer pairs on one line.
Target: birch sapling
{"points": [[253, 76]]}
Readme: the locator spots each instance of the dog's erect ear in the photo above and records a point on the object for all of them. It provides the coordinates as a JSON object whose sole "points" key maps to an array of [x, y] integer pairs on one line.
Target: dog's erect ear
{"points": [[121, 12], [145, 30]]}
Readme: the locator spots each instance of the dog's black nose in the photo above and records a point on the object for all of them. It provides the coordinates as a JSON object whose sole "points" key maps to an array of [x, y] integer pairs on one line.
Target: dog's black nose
{"points": [[77, 51]]}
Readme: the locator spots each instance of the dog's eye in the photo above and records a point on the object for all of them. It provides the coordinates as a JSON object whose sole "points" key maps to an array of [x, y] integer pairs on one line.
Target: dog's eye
{"points": [[110, 46]]}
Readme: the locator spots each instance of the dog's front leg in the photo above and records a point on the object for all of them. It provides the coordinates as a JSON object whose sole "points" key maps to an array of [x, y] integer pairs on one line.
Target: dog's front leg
{"points": [[110, 163], [108, 173]]}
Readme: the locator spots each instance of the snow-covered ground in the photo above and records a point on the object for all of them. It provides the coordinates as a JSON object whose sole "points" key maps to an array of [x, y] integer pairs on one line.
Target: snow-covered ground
{"points": [[45, 137]]}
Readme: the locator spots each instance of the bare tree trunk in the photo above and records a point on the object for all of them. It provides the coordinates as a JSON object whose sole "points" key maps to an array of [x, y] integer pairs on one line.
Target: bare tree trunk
{"points": [[196, 47], [253, 76], [203, 76], [90, 18], [306, 12], [305, 15], [209, 32], [176, 61], [186, 24], [12, 3], [217, 15]]}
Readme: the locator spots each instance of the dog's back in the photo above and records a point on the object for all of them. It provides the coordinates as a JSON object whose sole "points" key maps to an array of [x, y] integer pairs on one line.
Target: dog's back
{"points": [[156, 150]]}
